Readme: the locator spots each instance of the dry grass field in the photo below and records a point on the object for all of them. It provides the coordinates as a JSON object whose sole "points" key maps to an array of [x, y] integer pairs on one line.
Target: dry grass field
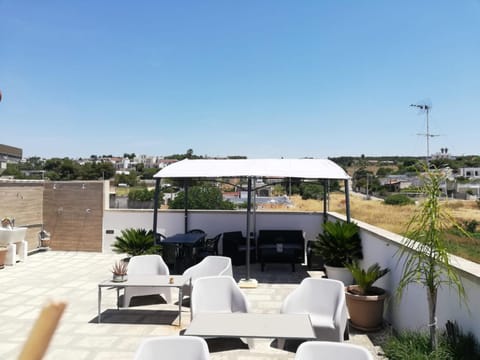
{"points": [[395, 218]]}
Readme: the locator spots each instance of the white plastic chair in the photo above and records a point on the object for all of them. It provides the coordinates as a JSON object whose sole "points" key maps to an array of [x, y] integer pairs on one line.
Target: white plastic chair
{"points": [[209, 266], [312, 350], [173, 347], [324, 301], [146, 265], [217, 294]]}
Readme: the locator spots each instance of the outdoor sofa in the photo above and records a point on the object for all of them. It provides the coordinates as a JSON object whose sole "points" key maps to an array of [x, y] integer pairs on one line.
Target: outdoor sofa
{"points": [[281, 246]]}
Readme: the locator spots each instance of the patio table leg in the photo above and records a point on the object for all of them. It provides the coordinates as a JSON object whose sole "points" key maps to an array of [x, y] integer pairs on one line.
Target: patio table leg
{"points": [[99, 304], [180, 297], [118, 298]]}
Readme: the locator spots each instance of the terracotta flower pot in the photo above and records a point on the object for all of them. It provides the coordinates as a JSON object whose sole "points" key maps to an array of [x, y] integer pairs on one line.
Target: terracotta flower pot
{"points": [[3, 255], [366, 311]]}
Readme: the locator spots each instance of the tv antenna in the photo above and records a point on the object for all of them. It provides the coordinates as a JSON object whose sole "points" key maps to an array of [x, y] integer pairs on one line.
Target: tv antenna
{"points": [[426, 108]]}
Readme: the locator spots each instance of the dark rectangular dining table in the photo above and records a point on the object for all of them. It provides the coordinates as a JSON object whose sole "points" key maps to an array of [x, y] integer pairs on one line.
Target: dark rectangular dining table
{"points": [[185, 246]]}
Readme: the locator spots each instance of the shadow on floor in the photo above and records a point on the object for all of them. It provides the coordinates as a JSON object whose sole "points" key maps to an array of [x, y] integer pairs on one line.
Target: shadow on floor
{"points": [[138, 317], [273, 274]]}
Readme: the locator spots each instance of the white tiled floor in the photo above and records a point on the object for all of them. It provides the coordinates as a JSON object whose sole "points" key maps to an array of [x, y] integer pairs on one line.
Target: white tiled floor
{"points": [[73, 277]]}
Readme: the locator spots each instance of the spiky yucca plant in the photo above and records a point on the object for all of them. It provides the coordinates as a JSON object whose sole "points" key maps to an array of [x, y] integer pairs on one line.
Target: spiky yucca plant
{"points": [[120, 268], [339, 244], [135, 242], [425, 256], [366, 278]]}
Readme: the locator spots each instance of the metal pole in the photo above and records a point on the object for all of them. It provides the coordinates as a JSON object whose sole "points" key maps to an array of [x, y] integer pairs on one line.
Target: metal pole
{"points": [[347, 200], [185, 204], [255, 221], [249, 206], [155, 208], [427, 108], [325, 189]]}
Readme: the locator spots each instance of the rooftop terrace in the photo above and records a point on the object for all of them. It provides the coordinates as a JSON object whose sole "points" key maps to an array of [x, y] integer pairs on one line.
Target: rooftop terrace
{"points": [[73, 277]]}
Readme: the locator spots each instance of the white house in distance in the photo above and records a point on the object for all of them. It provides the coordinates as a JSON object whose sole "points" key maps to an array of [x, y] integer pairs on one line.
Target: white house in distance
{"points": [[469, 172]]}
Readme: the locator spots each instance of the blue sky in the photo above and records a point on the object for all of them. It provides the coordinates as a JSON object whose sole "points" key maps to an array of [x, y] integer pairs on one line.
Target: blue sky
{"points": [[263, 78]]}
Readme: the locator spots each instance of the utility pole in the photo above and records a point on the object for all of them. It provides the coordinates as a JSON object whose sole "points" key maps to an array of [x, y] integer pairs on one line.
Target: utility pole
{"points": [[426, 108], [367, 197]]}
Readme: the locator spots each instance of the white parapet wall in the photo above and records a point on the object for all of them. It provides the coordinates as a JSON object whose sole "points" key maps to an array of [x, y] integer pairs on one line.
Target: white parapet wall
{"points": [[411, 311], [170, 222]]}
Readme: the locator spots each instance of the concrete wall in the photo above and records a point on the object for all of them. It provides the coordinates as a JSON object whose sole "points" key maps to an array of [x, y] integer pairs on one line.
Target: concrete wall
{"points": [[73, 214], [23, 200], [411, 311]]}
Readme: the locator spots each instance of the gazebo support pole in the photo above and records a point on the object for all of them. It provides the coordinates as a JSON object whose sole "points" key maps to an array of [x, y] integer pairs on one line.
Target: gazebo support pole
{"points": [[325, 189], [347, 200], [155, 208], [248, 282], [185, 204], [249, 209]]}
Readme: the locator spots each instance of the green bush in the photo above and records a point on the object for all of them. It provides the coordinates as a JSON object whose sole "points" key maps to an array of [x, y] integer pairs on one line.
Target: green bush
{"points": [[470, 225], [202, 197], [398, 199], [141, 194], [453, 345], [411, 345], [135, 242], [311, 191]]}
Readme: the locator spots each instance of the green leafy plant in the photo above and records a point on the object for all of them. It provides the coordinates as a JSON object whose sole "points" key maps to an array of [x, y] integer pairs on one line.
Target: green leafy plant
{"points": [[412, 345], [135, 242], [366, 278], [453, 344], [339, 244], [141, 194], [398, 199], [202, 197], [425, 252]]}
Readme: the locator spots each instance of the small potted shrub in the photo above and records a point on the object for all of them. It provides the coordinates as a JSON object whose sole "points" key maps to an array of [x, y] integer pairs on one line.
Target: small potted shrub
{"points": [[135, 242], [339, 245], [364, 301], [119, 271]]}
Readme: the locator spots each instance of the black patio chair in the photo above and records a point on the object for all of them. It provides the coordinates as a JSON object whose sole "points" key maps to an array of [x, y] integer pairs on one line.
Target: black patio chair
{"points": [[209, 247]]}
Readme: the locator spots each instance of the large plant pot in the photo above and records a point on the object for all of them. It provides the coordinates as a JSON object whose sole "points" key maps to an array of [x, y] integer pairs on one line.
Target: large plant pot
{"points": [[366, 311], [3, 255], [339, 273]]}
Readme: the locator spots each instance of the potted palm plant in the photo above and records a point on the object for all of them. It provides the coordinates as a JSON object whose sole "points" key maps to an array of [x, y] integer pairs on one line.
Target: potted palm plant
{"points": [[135, 242], [365, 302], [339, 244]]}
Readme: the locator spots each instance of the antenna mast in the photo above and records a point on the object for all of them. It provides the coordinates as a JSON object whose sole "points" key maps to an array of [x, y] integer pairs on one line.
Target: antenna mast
{"points": [[426, 108]]}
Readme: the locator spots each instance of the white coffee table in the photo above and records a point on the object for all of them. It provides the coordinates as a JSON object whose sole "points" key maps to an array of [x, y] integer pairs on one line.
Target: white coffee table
{"points": [[252, 325], [175, 281]]}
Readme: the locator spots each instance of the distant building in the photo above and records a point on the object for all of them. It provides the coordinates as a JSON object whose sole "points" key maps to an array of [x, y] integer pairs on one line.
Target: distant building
{"points": [[469, 172], [9, 154], [443, 154]]}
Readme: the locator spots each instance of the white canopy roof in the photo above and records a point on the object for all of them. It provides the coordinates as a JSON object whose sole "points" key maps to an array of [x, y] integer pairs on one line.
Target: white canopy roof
{"points": [[273, 168]]}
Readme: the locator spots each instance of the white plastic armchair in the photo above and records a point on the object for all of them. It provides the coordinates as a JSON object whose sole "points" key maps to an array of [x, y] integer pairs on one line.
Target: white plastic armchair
{"points": [[146, 265], [173, 347], [312, 350], [324, 301], [209, 266], [217, 294]]}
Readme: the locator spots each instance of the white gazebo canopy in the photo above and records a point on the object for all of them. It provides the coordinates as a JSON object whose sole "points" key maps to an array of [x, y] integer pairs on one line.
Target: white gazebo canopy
{"points": [[273, 168], [307, 169]]}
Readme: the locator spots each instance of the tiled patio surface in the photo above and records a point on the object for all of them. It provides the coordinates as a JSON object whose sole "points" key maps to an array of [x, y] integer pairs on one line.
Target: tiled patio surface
{"points": [[73, 277]]}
